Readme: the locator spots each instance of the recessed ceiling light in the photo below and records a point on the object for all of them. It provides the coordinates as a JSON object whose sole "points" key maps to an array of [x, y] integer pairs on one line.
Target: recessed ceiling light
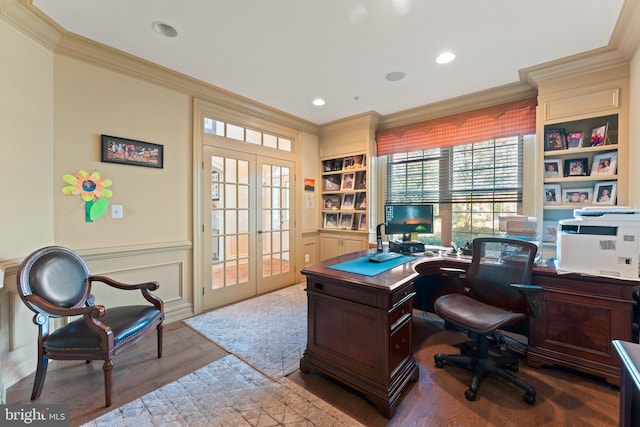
{"points": [[445, 58], [394, 76], [163, 29], [318, 102]]}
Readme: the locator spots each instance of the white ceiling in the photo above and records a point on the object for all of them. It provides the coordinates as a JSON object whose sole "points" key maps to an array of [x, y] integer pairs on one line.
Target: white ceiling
{"points": [[285, 53]]}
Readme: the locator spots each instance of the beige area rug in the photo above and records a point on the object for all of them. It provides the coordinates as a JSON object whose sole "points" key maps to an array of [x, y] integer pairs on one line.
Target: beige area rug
{"points": [[227, 392], [269, 332]]}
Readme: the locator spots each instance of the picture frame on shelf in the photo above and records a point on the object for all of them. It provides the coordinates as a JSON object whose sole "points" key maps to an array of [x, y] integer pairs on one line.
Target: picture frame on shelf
{"points": [[576, 167], [605, 193], [554, 139], [331, 220], [332, 165], [361, 180], [362, 223], [346, 220], [549, 231], [331, 201], [577, 196], [348, 201], [359, 161], [552, 168], [347, 163], [599, 136], [331, 182], [574, 139], [552, 194], [604, 164], [348, 181], [361, 201]]}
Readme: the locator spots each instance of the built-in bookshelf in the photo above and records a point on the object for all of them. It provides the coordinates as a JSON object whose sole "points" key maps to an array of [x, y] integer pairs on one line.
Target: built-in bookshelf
{"points": [[344, 193]]}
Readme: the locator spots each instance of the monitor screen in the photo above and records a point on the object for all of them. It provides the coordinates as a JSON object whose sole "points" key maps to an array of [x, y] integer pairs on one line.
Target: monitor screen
{"points": [[407, 219]]}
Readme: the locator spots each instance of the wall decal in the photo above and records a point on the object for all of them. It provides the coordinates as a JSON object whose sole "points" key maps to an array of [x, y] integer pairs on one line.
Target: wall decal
{"points": [[92, 189]]}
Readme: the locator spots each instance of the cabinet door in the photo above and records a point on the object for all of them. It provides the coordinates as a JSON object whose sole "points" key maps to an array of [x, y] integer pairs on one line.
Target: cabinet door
{"points": [[329, 246], [353, 244]]}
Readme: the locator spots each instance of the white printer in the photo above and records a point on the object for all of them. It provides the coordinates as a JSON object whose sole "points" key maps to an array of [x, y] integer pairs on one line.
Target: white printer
{"points": [[602, 241]]}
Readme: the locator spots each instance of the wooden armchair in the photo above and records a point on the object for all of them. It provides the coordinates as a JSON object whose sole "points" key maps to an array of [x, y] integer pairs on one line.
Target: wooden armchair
{"points": [[55, 282]]}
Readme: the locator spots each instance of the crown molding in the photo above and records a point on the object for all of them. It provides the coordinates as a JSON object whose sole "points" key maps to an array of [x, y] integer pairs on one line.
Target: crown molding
{"points": [[369, 119], [626, 34], [461, 104], [25, 17]]}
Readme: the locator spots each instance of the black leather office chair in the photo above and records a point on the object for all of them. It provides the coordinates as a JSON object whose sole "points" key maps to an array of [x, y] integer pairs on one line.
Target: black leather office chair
{"points": [[55, 282], [495, 294]]}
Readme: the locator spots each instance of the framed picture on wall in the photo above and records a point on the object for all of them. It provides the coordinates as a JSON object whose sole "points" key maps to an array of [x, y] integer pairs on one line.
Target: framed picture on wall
{"points": [[131, 152]]}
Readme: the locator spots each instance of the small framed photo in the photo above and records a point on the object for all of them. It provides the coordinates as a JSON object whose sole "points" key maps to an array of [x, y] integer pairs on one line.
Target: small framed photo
{"points": [[361, 180], [347, 163], [131, 152], [332, 165], [346, 220], [577, 196], [362, 225], [552, 169], [554, 139], [348, 201], [359, 161], [331, 183], [552, 194], [605, 193], [574, 139], [330, 220], [331, 201], [361, 201], [549, 231], [348, 181], [575, 167], [604, 164], [598, 136]]}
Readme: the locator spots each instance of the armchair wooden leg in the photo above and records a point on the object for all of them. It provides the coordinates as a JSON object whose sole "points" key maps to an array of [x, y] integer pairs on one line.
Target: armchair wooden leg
{"points": [[160, 329], [108, 375], [41, 373]]}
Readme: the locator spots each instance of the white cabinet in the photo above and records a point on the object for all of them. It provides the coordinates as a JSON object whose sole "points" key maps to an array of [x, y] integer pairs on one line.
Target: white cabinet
{"points": [[335, 243]]}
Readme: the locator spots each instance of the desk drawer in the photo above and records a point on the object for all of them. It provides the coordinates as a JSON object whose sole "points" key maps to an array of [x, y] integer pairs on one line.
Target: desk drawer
{"points": [[401, 293], [400, 313], [399, 346]]}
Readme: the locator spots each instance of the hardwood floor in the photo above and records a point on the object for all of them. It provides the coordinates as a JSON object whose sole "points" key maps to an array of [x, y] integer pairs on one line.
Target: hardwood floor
{"points": [[564, 397]]}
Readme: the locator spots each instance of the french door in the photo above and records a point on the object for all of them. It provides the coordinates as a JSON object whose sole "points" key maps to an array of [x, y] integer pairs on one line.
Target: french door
{"points": [[247, 227]]}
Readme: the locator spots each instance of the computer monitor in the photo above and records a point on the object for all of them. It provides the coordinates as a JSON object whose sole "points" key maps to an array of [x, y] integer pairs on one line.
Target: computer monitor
{"points": [[407, 219]]}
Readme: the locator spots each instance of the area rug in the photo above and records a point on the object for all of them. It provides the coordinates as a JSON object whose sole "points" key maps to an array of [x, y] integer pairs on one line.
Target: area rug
{"points": [[227, 392], [269, 332]]}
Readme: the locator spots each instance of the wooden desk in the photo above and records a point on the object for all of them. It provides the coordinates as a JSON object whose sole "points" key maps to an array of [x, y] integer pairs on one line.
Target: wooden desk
{"points": [[359, 327], [630, 385]]}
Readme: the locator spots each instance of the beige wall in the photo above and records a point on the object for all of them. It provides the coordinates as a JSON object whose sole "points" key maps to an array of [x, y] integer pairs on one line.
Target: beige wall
{"points": [[26, 159], [90, 101]]}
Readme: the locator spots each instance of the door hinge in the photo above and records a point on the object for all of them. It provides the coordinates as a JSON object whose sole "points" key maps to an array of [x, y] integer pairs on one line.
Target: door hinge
{"points": [[202, 290], [203, 228]]}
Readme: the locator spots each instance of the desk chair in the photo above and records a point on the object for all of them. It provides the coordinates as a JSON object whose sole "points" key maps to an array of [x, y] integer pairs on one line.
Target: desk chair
{"points": [[55, 282], [494, 294]]}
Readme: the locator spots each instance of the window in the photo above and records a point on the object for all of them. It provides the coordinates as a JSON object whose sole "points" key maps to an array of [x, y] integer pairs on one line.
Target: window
{"points": [[245, 134], [470, 185]]}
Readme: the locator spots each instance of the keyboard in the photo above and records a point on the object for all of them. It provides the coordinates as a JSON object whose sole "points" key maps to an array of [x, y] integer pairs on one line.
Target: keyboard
{"points": [[384, 256]]}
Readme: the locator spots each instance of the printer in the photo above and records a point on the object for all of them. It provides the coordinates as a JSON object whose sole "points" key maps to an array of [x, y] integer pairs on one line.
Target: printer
{"points": [[601, 241]]}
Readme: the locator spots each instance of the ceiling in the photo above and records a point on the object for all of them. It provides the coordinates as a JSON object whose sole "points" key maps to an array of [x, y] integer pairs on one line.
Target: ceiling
{"points": [[285, 53]]}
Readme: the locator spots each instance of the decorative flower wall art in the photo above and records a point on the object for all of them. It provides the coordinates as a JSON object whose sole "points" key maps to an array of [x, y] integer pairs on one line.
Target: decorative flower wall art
{"points": [[92, 189]]}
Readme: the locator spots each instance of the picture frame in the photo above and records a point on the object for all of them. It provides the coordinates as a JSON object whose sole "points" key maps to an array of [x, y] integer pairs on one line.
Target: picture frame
{"points": [[346, 220], [599, 135], [576, 167], [331, 220], [362, 223], [347, 163], [331, 201], [574, 139], [554, 139], [604, 164], [552, 194], [348, 181], [348, 201], [361, 180], [605, 193], [332, 165], [331, 182], [361, 201], [552, 168], [549, 231], [577, 196], [131, 152], [215, 185], [359, 161]]}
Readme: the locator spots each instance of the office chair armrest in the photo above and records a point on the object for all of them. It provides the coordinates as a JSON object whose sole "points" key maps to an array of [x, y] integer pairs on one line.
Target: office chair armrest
{"points": [[145, 288], [533, 294]]}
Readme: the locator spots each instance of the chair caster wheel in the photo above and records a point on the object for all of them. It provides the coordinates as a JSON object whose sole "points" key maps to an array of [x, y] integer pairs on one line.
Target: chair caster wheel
{"points": [[530, 398], [439, 364], [470, 395]]}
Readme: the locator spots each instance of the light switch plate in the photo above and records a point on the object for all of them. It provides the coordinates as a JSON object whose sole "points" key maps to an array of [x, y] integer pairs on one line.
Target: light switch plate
{"points": [[117, 212]]}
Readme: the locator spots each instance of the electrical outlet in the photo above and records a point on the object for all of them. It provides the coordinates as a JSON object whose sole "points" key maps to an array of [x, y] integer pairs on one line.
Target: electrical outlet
{"points": [[117, 212], [306, 257]]}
